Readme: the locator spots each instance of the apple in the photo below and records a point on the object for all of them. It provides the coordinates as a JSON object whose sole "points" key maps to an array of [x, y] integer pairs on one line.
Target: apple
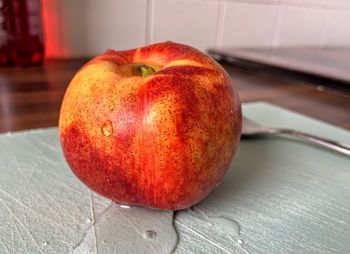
{"points": [[155, 126]]}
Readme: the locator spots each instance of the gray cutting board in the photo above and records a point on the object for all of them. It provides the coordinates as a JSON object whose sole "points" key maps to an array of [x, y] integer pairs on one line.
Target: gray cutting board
{"points": [[279, 196]]}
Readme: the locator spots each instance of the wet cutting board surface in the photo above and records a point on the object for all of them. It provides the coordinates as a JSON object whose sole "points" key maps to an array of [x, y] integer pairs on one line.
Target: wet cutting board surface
{"points": [[279, 196]]}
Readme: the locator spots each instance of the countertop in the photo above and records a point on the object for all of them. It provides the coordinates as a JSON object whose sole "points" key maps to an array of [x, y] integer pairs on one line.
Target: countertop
{"points": [[326, 65], [31, 97]]}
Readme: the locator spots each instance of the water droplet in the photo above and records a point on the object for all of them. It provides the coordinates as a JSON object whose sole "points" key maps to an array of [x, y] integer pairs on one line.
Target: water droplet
{"points": [[88, 220], [45, 243], [107, 128], [124, 206], [239, 241], [149, 234], [200, 213], [225, 225]]}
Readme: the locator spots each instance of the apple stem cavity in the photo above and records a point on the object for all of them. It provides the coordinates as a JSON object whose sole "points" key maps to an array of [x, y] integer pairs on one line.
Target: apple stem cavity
{"points": [[146, 70]]}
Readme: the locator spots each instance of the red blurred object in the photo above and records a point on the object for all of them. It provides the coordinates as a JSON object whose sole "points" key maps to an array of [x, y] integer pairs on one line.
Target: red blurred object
{"points": [[21, 37]]}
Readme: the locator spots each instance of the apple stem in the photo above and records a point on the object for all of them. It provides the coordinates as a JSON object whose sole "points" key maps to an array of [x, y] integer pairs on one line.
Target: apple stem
{"points": [[146, 70]]}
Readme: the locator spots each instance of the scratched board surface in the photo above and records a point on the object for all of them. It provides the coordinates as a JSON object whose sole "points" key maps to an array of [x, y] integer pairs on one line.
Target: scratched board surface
{"points": [[44, 208], [279, 196]]}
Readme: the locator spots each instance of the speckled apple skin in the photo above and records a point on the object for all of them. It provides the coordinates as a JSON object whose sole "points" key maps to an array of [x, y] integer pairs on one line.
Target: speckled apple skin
{"points": [[163, 141]]}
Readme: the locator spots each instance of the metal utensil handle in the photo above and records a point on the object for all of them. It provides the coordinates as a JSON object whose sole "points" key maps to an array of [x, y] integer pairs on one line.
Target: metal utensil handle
{"points": [[328, 143]]}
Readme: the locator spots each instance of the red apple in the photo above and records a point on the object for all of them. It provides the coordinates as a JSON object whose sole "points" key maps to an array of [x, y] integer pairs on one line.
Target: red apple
{"points": [[155, 126]]}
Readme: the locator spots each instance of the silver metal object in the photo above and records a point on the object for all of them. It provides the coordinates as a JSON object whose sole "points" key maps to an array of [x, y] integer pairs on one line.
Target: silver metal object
{"points": [[251, 129]]}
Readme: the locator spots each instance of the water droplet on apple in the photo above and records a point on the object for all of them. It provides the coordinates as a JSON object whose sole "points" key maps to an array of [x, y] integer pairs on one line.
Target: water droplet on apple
{"points": [[149, 234], [124, 206], [107, 128]]}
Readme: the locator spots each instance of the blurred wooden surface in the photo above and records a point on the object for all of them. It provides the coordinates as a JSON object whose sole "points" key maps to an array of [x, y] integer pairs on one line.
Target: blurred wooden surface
{"points": [[31, 97]]}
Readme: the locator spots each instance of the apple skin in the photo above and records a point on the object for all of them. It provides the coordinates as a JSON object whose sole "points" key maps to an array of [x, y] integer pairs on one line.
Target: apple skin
{"points": [[163, 141]]}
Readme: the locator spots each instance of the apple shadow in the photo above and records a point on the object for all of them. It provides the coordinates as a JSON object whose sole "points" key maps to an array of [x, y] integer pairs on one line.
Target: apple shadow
{"points": [[259, 163], [268, 195], [245, 170], [255, 167], [216, 212]]}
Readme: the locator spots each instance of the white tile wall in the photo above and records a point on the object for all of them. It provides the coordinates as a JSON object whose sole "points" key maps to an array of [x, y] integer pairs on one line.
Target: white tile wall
{"points": [[193, 22], [255, 1], [88, 27], [73, 22], [115, 24], [300, 26], [76, 28], [337, 30], [340, 4], [306, 3], [248, 24]]}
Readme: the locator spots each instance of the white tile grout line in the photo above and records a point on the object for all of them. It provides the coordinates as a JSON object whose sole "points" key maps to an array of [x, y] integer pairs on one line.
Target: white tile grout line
{"points": [[220, 23], [325, 19], [289, 3], [277, 25], [149, 22]]}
